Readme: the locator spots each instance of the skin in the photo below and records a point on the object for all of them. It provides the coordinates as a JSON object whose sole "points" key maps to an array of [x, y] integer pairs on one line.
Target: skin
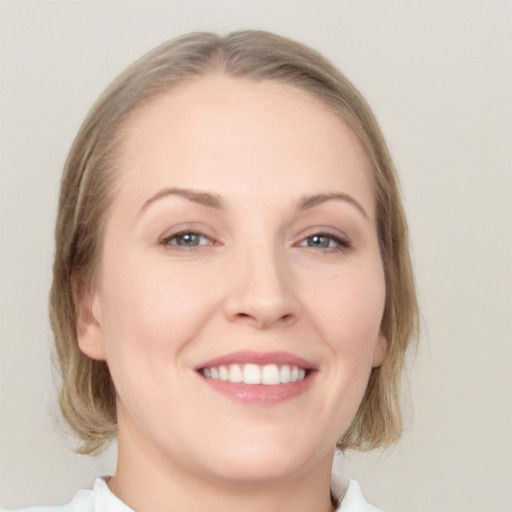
{"points": [[256, 281]]}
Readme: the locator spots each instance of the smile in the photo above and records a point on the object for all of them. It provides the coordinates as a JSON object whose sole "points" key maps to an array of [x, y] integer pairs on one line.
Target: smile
{"points": [[256, 378], [269, 374]]}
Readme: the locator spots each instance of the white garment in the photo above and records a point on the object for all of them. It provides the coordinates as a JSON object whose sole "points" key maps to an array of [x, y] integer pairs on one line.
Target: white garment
{"points": [[101, 499]]}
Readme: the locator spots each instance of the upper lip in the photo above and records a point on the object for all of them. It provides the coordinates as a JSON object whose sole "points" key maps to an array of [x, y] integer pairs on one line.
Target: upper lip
{"points": [[259, 358]]}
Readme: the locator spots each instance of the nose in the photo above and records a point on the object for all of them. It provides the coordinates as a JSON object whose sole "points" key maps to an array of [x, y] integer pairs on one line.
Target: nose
{"points": [[262, 291]]}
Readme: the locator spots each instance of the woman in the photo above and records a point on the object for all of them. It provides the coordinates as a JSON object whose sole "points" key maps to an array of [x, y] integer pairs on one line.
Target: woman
{"points": [[233, 295]]}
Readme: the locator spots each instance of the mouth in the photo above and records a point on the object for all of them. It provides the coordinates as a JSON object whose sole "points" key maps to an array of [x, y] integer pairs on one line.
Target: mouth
{"points": [[258, 378], [253, 374]]}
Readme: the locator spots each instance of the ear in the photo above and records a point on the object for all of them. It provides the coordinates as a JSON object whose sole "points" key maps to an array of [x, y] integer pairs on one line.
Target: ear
{"points": [[379, 351], [89, 332]]}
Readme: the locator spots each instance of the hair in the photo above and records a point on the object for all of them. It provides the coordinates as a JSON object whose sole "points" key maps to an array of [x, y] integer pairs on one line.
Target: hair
{"points": [[87, 396]]}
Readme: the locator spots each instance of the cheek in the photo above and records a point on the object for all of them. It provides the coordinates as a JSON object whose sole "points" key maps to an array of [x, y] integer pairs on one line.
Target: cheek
{"points": [[148, 317], [348, 309], [152, 310]]}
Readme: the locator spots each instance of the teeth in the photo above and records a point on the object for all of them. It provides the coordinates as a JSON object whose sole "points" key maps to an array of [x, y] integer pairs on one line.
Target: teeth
{"points": [[252, 374], [223, 373], [270, 374], [285, 374], [235, 373]]}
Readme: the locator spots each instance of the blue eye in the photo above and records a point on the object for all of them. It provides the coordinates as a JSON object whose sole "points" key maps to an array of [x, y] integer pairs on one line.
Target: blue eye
{"points": [[186, 239], [325, 241]]}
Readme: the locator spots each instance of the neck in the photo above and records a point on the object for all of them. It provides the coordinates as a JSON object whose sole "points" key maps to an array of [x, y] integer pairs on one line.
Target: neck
{"points": [[147, 481]]}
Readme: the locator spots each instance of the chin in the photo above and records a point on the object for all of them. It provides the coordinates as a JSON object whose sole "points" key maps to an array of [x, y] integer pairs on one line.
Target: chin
{"points": [[257, 471], [257, 462]]}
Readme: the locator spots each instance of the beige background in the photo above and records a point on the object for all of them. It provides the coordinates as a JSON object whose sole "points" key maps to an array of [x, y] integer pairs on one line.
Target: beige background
{"points": [[439, 76]]}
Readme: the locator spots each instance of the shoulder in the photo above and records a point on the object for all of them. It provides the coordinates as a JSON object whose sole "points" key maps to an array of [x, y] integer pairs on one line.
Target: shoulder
{"points": [[83, 502], [97, 499], [350, 496], [101, 499]]}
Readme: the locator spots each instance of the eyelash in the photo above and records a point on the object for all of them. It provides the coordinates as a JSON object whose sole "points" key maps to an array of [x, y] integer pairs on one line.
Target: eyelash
{"points": [[167, 241], [340, 243]]}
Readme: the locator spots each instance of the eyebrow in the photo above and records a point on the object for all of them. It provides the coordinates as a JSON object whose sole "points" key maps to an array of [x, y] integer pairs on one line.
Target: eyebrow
{"points": [[307, 202], [203, 198], [214, 201]]}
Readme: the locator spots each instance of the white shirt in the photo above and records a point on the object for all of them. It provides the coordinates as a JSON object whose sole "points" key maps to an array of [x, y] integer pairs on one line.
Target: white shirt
{"points": [[101, 499]]}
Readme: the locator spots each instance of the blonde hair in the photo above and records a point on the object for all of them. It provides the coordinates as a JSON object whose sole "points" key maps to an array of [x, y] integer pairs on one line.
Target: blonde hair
{"points": [[87, 396]]}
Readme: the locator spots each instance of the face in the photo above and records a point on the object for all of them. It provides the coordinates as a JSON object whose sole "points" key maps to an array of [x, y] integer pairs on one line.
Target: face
{"points": [[240, 292]]}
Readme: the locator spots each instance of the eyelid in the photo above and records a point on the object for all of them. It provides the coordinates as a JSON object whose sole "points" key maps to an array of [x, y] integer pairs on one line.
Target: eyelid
{"points": [[343, 242], [170, 237], [184, 229]]}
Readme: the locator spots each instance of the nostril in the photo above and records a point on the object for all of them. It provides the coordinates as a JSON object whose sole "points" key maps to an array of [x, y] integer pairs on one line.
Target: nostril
{"points": [[243, 315], [287, 318], [263, 321]]}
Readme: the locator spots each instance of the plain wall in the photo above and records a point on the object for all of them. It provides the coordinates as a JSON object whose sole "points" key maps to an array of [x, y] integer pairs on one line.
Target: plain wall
{"points": [[438, 74]]}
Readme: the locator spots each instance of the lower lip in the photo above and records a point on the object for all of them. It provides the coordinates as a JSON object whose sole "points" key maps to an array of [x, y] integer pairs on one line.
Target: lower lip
{"points": [[261, 394]]}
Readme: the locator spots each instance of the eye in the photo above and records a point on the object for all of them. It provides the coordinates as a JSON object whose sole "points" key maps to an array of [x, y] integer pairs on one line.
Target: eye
{"points": [[186, 239], [325, 241]]}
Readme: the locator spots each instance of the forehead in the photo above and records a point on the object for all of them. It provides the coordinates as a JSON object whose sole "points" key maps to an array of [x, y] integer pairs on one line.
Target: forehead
{"points": [[215, 130]]}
